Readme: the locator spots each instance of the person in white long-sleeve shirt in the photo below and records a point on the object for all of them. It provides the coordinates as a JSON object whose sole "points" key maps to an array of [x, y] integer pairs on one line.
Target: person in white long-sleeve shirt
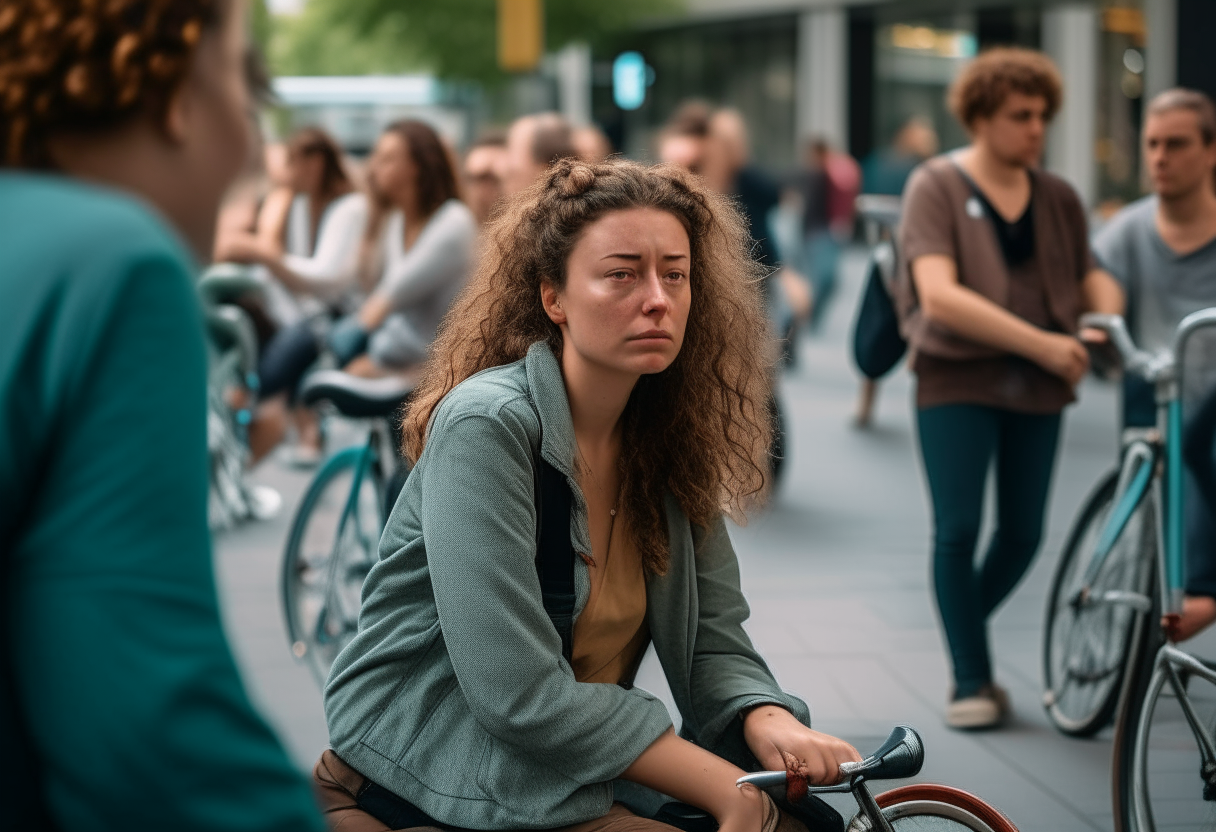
{"points": [[308, 242], [427, 248]]}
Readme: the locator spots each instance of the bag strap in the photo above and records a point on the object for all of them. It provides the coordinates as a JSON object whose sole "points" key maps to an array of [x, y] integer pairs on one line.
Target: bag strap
{"points": [[554, 552]]}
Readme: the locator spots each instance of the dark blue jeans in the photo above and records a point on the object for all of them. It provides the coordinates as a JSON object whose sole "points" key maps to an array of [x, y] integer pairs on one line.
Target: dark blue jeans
{"points": [[959, 443]]}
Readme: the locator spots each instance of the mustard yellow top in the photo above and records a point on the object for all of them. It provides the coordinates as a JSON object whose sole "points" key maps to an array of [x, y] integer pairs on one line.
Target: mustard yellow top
{"points": [[610, 636]]}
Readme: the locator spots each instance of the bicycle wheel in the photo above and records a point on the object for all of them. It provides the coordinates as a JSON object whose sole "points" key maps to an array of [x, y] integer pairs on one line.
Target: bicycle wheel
{"points": [[1086, 642], [332, 546], [1165, 780], [927, 807]]}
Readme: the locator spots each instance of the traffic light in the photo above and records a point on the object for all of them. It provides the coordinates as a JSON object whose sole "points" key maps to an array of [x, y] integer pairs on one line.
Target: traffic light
{"points": [[520, 34]]}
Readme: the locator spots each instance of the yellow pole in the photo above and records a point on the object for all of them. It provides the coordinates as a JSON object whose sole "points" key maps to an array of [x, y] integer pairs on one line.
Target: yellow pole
{"points": [[520, 34]]}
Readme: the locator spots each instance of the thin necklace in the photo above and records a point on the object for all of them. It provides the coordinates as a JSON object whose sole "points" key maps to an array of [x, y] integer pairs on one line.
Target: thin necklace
{"points": [[611, 512]]}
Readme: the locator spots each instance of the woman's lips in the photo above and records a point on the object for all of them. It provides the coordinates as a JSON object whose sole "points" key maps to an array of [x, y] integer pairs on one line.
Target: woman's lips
{"points": [[652, 335]]}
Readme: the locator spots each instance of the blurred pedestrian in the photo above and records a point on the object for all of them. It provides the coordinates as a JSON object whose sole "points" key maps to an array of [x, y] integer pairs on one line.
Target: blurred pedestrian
{"points": [[121, 127], [591, 144], [483, 166], [995, 271], [1162, 250], [428, 241], [683, 138], [578, 360], [886, 171], [533, 144], [820, 248]]}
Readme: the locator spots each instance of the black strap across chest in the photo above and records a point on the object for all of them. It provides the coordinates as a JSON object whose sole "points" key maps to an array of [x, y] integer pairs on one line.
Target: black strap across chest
{"points": [[554, 552]]}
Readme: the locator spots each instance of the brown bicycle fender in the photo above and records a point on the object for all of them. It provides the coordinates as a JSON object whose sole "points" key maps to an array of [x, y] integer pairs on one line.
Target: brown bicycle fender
{"points": [[948, 794]]}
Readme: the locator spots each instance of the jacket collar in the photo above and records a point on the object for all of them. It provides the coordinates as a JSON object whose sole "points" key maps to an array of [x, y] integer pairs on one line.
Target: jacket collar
{"points": [[548, 392]]}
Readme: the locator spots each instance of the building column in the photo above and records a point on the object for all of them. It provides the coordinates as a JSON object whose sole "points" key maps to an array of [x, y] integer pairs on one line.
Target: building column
{"points": [[572, 67], [1161, 53], [1070, 37], [821, 97]]}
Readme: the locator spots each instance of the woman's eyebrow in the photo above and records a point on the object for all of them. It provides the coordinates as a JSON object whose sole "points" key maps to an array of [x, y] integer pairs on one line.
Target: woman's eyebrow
{"points": [[639, 257]]}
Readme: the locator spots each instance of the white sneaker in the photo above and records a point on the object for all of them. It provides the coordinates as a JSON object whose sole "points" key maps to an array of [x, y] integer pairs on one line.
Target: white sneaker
{"points": [[264, 502], [986, 709]]}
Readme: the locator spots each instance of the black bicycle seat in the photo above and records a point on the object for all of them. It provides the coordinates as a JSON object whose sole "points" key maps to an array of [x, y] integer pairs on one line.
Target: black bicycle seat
{"points": [[354, 396]]}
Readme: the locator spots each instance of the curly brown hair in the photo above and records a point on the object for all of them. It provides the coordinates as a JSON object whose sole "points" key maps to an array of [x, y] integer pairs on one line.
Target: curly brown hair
{"points": [[83, 65], [984, 84], [699, 429]]}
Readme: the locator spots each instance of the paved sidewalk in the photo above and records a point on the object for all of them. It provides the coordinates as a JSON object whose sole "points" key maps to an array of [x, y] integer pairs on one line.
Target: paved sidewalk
{"points": [[837, 573]]}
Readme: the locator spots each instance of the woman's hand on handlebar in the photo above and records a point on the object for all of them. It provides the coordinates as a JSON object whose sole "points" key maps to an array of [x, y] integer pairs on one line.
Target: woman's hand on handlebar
{"points": [[779, 740]]}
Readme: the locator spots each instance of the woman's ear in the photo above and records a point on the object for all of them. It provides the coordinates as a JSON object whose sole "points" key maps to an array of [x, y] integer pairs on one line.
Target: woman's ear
{"points": [[552, 302]]}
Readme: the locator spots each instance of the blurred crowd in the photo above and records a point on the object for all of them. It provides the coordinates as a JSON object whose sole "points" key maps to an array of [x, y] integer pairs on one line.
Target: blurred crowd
{"points": [[359, 258]]}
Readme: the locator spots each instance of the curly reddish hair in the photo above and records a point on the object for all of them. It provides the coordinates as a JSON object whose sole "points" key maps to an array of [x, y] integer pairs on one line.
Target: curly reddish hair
{"points": [[984, 84], [699, 430], [84, 65]]}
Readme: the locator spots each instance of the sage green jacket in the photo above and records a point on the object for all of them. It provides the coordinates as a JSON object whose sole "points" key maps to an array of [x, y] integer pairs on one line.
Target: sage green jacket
{"points": [[454, 693]]}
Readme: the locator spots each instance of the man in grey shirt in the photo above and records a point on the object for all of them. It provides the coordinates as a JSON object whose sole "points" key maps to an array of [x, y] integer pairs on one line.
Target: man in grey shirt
{"points": [[1162, 248]]}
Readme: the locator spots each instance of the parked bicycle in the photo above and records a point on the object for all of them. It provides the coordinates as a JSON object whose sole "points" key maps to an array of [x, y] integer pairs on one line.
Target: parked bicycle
{"points": [[926, 807], [1104, 644], [334, 536], [232, 384], [1164, 754]]}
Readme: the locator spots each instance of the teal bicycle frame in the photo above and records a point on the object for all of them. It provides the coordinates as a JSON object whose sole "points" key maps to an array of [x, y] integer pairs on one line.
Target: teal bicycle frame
{"points": [[1142, 457]]}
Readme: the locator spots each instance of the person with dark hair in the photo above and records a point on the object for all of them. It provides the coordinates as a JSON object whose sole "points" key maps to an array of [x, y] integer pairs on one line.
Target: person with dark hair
{"points": [[428, 239], [994, 273], [534, 143], [612, 343], [314, 252], [1162, 249], [483, 165], [121, 126]]}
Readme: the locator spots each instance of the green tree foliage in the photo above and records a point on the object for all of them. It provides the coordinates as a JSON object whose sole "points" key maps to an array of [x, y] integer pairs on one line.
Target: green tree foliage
{"points": [[454, 39], [322, 41]]}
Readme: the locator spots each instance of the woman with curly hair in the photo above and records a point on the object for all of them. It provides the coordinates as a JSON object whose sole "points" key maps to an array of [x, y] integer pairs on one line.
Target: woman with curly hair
{"points": [[612, 342], [121, 125]]}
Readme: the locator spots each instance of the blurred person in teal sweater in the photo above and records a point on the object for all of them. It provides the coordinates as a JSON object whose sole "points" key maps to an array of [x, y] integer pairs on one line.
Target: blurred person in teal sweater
{"points": [[121, 125]]}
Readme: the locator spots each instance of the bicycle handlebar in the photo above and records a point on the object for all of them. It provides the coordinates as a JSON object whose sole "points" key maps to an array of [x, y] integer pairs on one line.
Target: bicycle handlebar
{"points": [[899, 757], [1134, 359]]}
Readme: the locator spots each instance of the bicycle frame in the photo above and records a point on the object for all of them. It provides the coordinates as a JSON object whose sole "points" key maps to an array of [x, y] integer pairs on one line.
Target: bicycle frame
{"points": [[364, 456], [1135, 477]]}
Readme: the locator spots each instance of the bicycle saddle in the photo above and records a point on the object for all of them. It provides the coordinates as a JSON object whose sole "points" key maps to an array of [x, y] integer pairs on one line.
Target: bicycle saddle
{"points": [[356, 397]]}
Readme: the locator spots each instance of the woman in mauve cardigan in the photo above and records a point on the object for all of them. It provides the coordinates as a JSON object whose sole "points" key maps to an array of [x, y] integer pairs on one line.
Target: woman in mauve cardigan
{"points": [[996, 272]]}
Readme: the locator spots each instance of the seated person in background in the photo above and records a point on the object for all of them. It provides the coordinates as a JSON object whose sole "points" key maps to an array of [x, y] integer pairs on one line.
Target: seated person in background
{"points": [[312, 258], [428, 242], [483, 165], [613, 338], [1162, 248], [120, 703], [534, 143]]}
